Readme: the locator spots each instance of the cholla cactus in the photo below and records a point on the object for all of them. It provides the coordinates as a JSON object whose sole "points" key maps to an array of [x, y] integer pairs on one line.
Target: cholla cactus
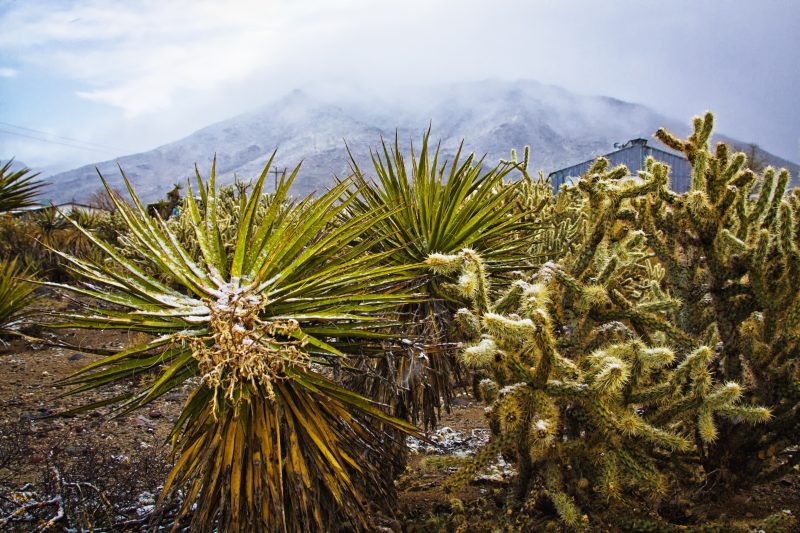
{"points": [[553, 220], [595, 391], [730, 252]]}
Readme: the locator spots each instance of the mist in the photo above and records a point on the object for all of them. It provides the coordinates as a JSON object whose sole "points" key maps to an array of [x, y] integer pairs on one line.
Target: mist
{"points": [[126, 77]]}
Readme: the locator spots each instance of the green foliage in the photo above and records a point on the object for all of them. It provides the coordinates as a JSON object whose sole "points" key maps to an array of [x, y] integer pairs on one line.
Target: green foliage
{"points": [[432, 206], [231, 203], [267, 441], [17, 188], [437, 206], [16, 295]]}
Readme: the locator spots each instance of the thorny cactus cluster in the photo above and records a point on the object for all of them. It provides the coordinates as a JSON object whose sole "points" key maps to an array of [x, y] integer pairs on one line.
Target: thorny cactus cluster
{"points": [[554, 220], [730, 250], [604, 421], [629, 365]]}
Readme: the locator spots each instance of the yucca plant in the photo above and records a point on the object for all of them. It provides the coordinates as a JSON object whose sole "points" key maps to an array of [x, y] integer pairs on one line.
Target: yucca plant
{"points": [[433, 206], [231, 201], [18, 188], [267, 441], [16, 295]]}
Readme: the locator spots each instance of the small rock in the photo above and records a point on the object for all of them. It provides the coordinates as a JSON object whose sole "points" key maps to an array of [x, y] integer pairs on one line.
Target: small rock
{"points": [[146, 498], [36, 458], [75, 357], [145, 510], [154, 414]]}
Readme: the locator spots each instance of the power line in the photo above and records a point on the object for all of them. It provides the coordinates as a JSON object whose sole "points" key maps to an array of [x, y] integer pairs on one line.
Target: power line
{"points": [[70, 139], [51, 141]]}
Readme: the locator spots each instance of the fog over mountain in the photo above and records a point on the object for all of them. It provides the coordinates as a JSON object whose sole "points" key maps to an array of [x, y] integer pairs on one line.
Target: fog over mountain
{"points": [[492, 117]]}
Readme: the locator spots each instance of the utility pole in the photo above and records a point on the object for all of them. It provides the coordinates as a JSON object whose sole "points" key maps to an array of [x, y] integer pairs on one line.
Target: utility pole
{"points": [[275, 171]]}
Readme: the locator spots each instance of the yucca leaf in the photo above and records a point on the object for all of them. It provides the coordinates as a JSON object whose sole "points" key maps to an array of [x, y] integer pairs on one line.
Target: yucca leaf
{"points": [[245, 223]]}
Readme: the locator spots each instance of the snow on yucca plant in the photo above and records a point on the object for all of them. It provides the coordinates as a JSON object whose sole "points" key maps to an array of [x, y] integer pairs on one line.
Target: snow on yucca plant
{"points": [[266, 441]]}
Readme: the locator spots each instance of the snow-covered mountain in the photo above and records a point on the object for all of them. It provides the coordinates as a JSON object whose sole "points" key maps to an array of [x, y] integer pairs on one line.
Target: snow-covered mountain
{"points": [[492, 117]]}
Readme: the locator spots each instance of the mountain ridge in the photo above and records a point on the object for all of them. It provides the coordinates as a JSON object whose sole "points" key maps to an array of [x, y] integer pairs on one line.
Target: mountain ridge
{"points": [[563, 128]]}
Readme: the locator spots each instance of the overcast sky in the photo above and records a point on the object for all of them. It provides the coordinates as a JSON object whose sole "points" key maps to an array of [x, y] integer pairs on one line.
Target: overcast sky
{"points": [[98, 79]]}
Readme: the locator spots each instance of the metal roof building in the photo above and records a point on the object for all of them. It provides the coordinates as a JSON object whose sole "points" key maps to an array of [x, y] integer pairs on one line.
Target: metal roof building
{"points": [[633, 154]]}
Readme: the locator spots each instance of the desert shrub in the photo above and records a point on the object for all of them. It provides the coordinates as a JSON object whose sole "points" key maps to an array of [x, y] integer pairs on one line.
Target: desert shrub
{"points": [[103, 199], [659, 353], [267, 441], [33, 237], [17, 240]]}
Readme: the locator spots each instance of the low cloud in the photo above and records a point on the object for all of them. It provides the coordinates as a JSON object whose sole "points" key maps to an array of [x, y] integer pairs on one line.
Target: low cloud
{"points": [[164, 69]]}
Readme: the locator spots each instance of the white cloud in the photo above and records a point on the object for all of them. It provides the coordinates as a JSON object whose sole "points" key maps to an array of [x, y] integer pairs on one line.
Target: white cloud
{"points": [[7, 72], [142, 56]]}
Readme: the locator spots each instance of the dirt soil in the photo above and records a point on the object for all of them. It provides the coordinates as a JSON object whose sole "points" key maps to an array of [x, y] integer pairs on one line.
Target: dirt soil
{"points": [[112, 469]]}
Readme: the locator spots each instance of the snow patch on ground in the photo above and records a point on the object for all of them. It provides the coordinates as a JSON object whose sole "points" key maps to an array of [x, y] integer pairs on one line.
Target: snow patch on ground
{"points": [[447, 441]]}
